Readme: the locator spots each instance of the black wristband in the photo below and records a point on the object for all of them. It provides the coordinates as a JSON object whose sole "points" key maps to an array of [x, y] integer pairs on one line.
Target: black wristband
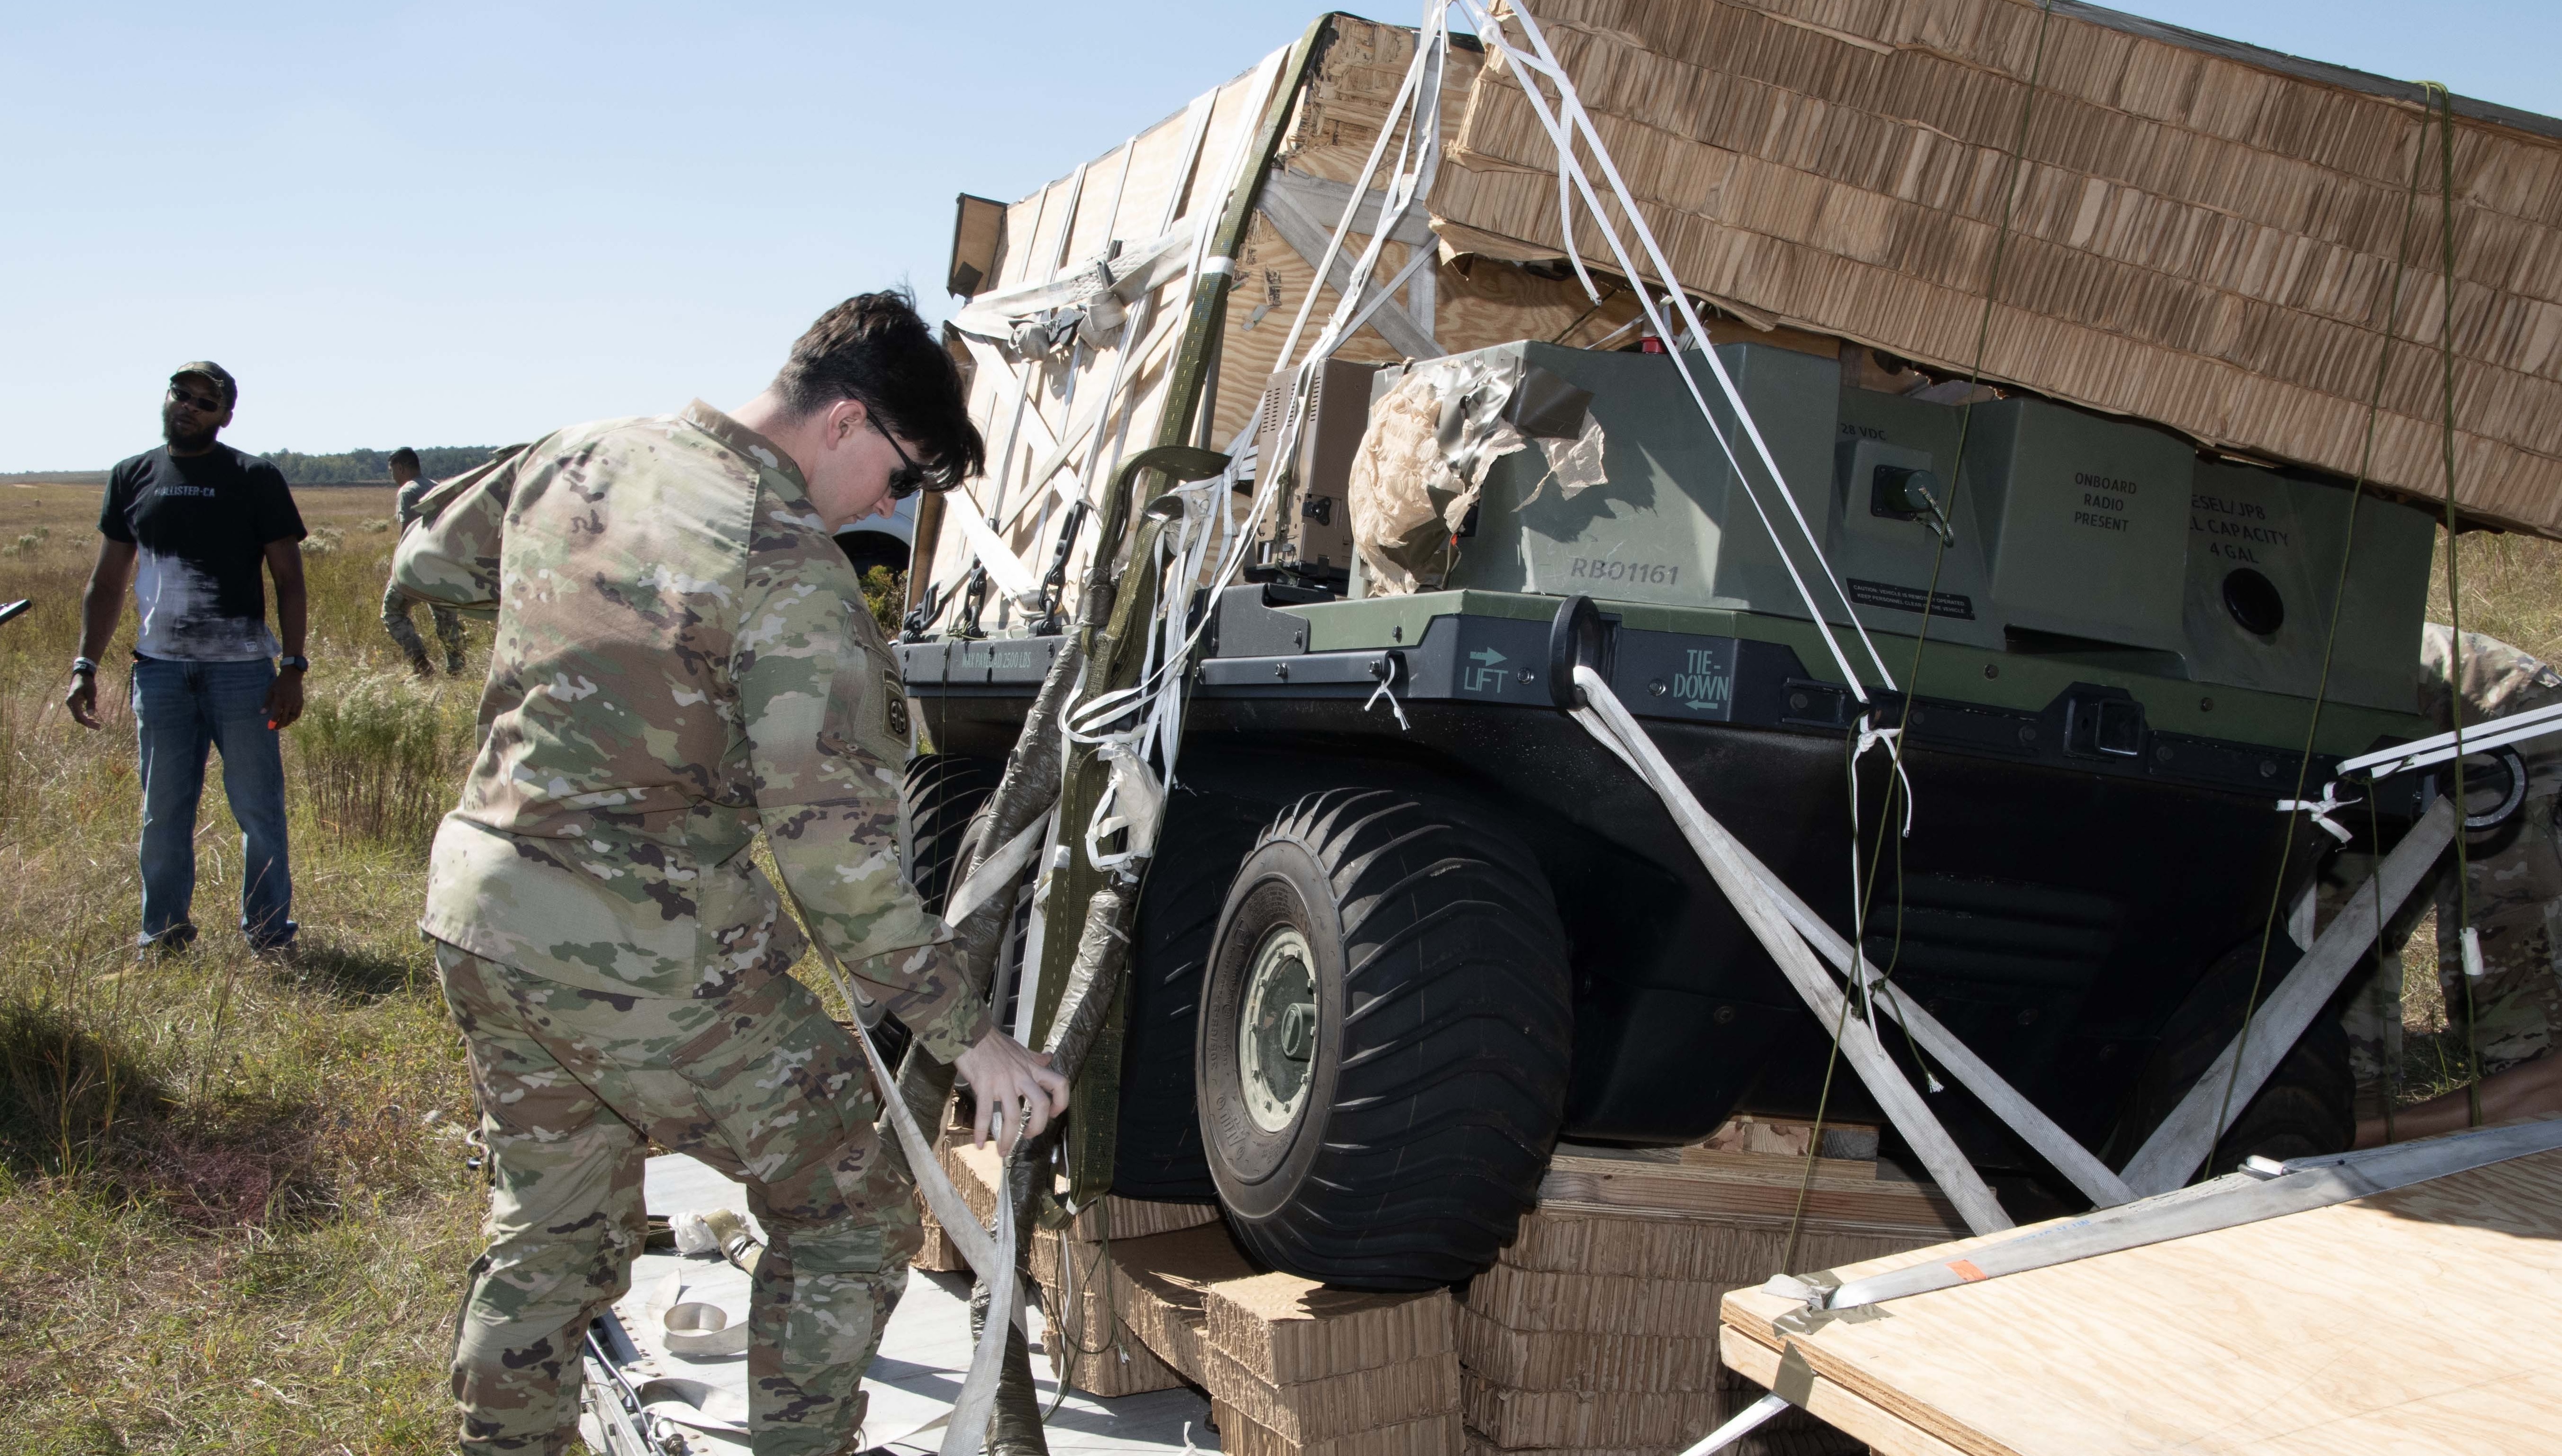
{"points": [[296, 664]]}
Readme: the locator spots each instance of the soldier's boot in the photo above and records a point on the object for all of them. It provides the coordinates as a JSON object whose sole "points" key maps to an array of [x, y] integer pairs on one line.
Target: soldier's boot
{"points": [[449, 632]]}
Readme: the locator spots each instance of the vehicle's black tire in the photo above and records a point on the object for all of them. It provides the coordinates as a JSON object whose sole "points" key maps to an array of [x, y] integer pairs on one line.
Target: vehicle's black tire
{"points": [[1158, 1151], [2307, 1107], [940, 800], [942, 792], [1436, 1021]]}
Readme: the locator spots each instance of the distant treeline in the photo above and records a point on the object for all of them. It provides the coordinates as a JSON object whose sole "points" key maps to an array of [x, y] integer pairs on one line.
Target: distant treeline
{"points": [[435, 462]]}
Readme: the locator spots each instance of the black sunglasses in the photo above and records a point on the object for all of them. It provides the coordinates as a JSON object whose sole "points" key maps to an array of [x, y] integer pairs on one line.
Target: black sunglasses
{"points": [[206, 403], [910, 477]]}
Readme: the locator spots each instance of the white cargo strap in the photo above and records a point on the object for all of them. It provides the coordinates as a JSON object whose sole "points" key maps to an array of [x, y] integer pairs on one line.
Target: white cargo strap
{"points": [[994, 873], [2207, 1112], [1013, 578], [989, 1253], [1746, 1422], [1733, 867], [2321, 810]]}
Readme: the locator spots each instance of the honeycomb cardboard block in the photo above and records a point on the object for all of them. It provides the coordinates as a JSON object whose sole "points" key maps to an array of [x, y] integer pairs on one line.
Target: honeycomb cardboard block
{"points": [[1566, 1420], [1578, 1360], [1540, 1301], [1431, 1435], [974, 1171], [938, 1254], [1288, 1330], [1310, 1411], [1161, 1283], [1122, 1366]]}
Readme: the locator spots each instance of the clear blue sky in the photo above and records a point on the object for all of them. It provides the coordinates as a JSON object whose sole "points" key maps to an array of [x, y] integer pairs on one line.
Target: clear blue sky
{"points": [[469, 223]]}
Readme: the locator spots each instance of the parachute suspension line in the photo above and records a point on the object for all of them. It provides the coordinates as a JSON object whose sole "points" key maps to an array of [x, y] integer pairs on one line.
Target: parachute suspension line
{"points": [[2446, 107], [2330, 641], [1566, 123]]}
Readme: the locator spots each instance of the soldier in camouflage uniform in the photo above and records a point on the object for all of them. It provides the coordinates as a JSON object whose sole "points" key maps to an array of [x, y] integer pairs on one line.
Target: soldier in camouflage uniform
{"points": [[2514, 888], [413, 487], [682, 659]]}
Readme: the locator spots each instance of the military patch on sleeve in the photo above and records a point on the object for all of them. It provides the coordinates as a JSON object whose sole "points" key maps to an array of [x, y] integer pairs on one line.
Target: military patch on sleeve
{"points": [[895, 693]]}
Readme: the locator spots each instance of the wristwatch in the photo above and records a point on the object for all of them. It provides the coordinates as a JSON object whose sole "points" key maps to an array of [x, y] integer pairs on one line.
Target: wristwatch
{"points": [[84, 667], [297, 665]]}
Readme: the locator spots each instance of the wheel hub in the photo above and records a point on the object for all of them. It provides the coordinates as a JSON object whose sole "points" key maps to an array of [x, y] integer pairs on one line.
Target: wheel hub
{"points": [[1276, 1031]]}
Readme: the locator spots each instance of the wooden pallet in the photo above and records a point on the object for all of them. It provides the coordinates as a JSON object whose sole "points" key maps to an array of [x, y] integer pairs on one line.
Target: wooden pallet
{"points": [[2420, 1320]]}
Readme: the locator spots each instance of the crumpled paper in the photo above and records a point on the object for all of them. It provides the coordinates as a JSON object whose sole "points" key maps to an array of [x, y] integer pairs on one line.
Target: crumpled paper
{"points": [[1423, 459]]}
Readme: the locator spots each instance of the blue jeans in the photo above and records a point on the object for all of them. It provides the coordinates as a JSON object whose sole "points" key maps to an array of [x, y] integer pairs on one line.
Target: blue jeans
{"points": [[181, 709]]}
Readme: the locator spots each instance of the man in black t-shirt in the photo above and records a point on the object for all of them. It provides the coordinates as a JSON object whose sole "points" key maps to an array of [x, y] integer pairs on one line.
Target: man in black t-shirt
{"points": [[190, 525]]}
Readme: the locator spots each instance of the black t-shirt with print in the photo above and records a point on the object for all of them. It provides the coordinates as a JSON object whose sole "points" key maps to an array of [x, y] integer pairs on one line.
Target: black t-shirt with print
{"points": [[200, 525]]}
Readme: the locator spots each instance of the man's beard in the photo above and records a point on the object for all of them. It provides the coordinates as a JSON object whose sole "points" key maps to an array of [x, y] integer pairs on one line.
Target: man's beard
{"points": [[194, 441]]}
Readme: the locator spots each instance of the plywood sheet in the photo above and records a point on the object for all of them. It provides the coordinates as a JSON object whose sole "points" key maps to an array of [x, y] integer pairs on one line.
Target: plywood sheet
{"points": [[2417, 1320]]}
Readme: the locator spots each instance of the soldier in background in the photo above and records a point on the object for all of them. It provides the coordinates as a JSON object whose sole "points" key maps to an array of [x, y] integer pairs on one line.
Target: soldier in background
{"points": [[683, 658], [2511, 1013], [395, 603]]}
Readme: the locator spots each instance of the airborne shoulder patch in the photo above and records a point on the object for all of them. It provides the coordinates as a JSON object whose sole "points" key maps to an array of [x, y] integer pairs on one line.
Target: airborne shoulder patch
{"points": [[894, 692]]}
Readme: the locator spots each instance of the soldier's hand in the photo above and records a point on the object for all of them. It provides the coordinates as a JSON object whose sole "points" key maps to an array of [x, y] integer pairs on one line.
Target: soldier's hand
{"points": [[1017, 1092]]}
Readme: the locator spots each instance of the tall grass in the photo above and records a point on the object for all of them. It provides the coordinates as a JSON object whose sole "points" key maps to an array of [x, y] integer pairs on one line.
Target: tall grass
{"points": [[376, 759]]}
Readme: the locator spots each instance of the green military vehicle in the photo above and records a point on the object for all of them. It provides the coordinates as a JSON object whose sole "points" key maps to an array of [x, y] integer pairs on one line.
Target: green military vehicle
{"points": [[1407, 924]]}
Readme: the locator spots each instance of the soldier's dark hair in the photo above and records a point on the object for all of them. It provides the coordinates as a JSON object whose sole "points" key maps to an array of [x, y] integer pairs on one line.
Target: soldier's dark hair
{"points": [[873, 347], [403, 456]]}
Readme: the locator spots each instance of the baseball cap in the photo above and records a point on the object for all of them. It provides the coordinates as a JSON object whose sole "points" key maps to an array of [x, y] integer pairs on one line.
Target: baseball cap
{"points": [[220, 377]]}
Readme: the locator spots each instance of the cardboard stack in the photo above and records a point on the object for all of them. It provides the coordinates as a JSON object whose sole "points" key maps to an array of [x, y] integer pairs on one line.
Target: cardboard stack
{"points": [[2201, 233], [1296, 1368], [1144, 1296], [1596, 1331], [1090, 1343]]}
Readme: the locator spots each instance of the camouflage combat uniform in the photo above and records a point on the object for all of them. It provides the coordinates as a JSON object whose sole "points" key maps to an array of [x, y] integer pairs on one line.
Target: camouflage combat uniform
{"points": [[683, 656], [397, 604], [2515, 885]]}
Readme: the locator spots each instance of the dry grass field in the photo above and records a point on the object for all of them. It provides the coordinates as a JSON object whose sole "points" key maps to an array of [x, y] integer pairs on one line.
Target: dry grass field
{"points": [[234, 1197]]}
